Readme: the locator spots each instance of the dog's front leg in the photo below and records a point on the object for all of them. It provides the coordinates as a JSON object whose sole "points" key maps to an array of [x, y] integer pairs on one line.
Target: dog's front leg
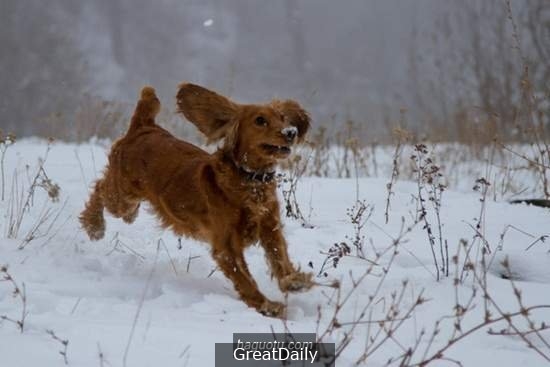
{"points": [[275, 246], [228, 253]]}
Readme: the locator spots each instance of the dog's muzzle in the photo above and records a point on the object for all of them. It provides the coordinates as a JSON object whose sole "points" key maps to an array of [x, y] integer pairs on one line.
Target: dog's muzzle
{"points": [[290, 133]]}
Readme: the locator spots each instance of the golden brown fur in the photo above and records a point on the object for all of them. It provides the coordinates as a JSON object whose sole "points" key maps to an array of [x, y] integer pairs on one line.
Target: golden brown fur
{"points": [[227, 198]]}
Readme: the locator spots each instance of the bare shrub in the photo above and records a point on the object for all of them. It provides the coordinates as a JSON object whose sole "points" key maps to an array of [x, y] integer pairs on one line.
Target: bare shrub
{"points": [[493, 314], [353, 156], [364, 316], [100, 118], [320, 144], [333, 256], [21, 200], [428, 347], [358, 214]]}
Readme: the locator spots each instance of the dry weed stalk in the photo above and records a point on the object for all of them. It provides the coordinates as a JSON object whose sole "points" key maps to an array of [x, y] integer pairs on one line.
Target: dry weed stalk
{"points": [[6, 141], [429, 183], [401, 137], [289, 186], [18, 292], [64, 344], [101, 356], [321, 149], [353, 155], [140, 305], [333, 256], [123, 248], [359, 214], [478, 241]]}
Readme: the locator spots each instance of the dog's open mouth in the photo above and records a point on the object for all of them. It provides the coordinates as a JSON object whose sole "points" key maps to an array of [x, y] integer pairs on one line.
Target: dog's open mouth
{"points": [[276, 149]]}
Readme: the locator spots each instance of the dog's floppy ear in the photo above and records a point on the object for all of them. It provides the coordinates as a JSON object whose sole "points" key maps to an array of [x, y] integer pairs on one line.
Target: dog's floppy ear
{"points": [[210, 112], [294, 114]]}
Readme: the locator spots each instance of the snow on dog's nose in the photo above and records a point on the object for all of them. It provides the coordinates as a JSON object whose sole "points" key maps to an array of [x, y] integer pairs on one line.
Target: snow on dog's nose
{"points": [[290, 132]]}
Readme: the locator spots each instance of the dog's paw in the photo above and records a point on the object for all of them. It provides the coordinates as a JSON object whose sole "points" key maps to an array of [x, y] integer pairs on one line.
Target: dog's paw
{"points": [[131, 216], [94, 228], [96, 233], [296, 282], [272, 309]]}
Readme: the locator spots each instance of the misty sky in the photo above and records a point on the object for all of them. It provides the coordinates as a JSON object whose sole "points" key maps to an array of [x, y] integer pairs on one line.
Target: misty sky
{"points": [[341, 59]]}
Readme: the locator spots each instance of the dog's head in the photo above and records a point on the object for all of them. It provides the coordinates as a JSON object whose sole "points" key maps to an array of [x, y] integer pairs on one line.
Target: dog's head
{"points": [[256, 135]]}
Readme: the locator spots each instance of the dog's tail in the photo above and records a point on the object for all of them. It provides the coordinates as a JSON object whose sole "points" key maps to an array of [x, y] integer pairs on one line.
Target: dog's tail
{"points": [[146, 110]]}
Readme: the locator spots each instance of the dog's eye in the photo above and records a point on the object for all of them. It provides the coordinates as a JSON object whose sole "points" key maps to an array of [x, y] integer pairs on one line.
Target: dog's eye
{"points": [[261, 121]]}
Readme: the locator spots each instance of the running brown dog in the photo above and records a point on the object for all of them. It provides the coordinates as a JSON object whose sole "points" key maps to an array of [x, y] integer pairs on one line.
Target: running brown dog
{"points": [[227, 198]]}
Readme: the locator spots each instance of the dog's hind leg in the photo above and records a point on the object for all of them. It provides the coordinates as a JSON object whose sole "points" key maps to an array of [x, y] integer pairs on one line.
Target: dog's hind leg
{"points": [[118, 197], [91, 218]]}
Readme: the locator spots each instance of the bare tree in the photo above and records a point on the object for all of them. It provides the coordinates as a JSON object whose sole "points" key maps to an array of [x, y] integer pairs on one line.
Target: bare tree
{"points": [[477, 73], [41, 66]]}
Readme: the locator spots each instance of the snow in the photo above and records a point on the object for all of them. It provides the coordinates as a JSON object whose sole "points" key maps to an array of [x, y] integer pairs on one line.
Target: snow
{"points": [[90, 292], [208, 22]]}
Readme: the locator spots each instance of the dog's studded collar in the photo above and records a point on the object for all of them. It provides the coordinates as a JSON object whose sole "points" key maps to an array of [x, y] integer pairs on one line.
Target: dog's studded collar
{"points": [[251, 175], [263, 177]]}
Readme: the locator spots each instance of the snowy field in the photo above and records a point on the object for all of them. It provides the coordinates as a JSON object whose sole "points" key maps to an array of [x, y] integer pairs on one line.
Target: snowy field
{"points": [[139, 297]]}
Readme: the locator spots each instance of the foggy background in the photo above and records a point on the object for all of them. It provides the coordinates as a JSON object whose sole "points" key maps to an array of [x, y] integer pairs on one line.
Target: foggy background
{"points": [[73, 69]]}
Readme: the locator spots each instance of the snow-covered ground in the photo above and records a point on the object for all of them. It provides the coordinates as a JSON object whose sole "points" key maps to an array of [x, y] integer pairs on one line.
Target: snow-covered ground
{"points": [[90, 293]]}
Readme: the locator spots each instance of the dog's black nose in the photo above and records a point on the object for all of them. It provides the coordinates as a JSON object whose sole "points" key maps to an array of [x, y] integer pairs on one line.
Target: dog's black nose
{"points": [[290, 132]]}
